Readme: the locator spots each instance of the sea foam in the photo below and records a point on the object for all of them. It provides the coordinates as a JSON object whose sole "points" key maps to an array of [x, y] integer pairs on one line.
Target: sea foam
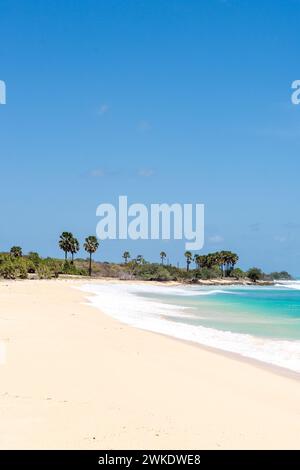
{"points": [[125, 302]]}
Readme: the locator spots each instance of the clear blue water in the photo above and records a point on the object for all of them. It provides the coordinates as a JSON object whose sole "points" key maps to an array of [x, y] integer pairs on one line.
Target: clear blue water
{"points": [[261, 323], [268, 312]]}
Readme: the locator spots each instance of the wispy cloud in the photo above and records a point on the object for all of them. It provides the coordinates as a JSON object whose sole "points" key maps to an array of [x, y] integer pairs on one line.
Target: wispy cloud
{"points": [[216, 239], [255, 227], [146, 172], [280, 238], [121, 172], [104, 108], [97, 173], [144, 126]]}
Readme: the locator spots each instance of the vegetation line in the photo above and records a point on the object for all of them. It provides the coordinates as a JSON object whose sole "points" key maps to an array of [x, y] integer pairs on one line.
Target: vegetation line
{"points": [[212, 266]]}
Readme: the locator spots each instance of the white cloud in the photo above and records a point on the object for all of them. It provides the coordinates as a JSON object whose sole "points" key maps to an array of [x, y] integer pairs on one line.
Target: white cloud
{"points": [[97, 173], [144, 126], [146, 172], [216, 239], [280, 238], [103, 109]]}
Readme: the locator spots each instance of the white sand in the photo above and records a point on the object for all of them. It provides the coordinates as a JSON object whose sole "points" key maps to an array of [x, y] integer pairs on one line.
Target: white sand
{"points": [[75, 378]]}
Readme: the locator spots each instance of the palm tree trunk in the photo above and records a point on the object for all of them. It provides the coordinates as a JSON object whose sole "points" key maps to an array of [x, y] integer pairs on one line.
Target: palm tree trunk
{"points": [[66, 254], [72, 262], [90, 265]]}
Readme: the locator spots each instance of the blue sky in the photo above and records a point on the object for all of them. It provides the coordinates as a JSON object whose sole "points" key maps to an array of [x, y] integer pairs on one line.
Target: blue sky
{"points": [[164, 101]]}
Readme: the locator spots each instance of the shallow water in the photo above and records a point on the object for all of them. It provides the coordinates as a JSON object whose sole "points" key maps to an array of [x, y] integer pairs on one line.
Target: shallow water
{"points": [[257, 322]]}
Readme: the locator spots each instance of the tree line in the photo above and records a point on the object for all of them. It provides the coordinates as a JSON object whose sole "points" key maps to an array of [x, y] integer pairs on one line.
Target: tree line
{"points": [[70, 244], [206, 266], [225, 260]]}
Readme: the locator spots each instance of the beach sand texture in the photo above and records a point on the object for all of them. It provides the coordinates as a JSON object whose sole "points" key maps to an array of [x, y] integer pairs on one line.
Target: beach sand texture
{"points": [[77, 379]]}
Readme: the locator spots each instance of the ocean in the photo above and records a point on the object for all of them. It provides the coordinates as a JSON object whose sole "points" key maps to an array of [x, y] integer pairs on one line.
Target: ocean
{"points": [[261, 323]]}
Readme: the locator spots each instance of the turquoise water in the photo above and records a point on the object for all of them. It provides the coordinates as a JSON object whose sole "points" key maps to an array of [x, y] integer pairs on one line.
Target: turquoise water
{"points": [[269, 312], [261, 323]]}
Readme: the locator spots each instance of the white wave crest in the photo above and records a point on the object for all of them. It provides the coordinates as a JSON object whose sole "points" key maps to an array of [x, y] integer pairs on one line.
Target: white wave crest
{"points": [[121, 302], [288, 284]]}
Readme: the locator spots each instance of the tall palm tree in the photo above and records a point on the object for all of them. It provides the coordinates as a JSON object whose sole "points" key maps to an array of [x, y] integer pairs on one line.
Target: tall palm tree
{"points": [[189, 258], [200, 261], [162, 255], [196, 260], [65, 241], [74, 247], [91, 246], [126, 256], [16, 251], [222, 261], [232, 259]]}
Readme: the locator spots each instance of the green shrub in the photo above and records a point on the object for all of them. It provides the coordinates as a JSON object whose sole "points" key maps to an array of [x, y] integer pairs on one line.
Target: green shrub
{"points": [[255, 274], [7, 270], [208, 273], [69, 268], [44, 272], [238, 273], [14, 268], [282, 275], [22, 268], [160, 274], [34, 258]]}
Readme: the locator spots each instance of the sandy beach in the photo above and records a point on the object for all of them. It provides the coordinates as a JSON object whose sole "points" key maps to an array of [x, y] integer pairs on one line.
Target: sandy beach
{"points": [[76, 379]]}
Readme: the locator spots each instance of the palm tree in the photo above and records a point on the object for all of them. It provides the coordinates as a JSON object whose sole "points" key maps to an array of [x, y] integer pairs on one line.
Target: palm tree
{"points": [[91, 245], [162, 255], [126, 256], [189, 258], [74, 247], [139, 259], [232, 260], [200, 261], [222, 261], [16, 251], [65, 243]]}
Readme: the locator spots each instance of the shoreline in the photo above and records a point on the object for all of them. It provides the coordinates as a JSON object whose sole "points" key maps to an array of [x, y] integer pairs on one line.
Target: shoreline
{"points": [[226, 349], [282, 371], [200, 282], [77, 378], [276, 369]]}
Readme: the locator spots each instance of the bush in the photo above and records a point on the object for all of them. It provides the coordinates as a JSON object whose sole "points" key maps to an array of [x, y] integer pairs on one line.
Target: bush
{"points": [[149, 272], [7, 270], [54, 265], [238, 273], [160, 274], [255, 274], [14, 268], [34, 258], [22, 267], [208, 273], [44, 272], [69, 268], [280, 276]]}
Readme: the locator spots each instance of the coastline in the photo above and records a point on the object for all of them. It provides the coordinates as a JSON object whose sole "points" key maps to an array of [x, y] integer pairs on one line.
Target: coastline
{"points": [[157, 392], [276, 369], [134, 309]]}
